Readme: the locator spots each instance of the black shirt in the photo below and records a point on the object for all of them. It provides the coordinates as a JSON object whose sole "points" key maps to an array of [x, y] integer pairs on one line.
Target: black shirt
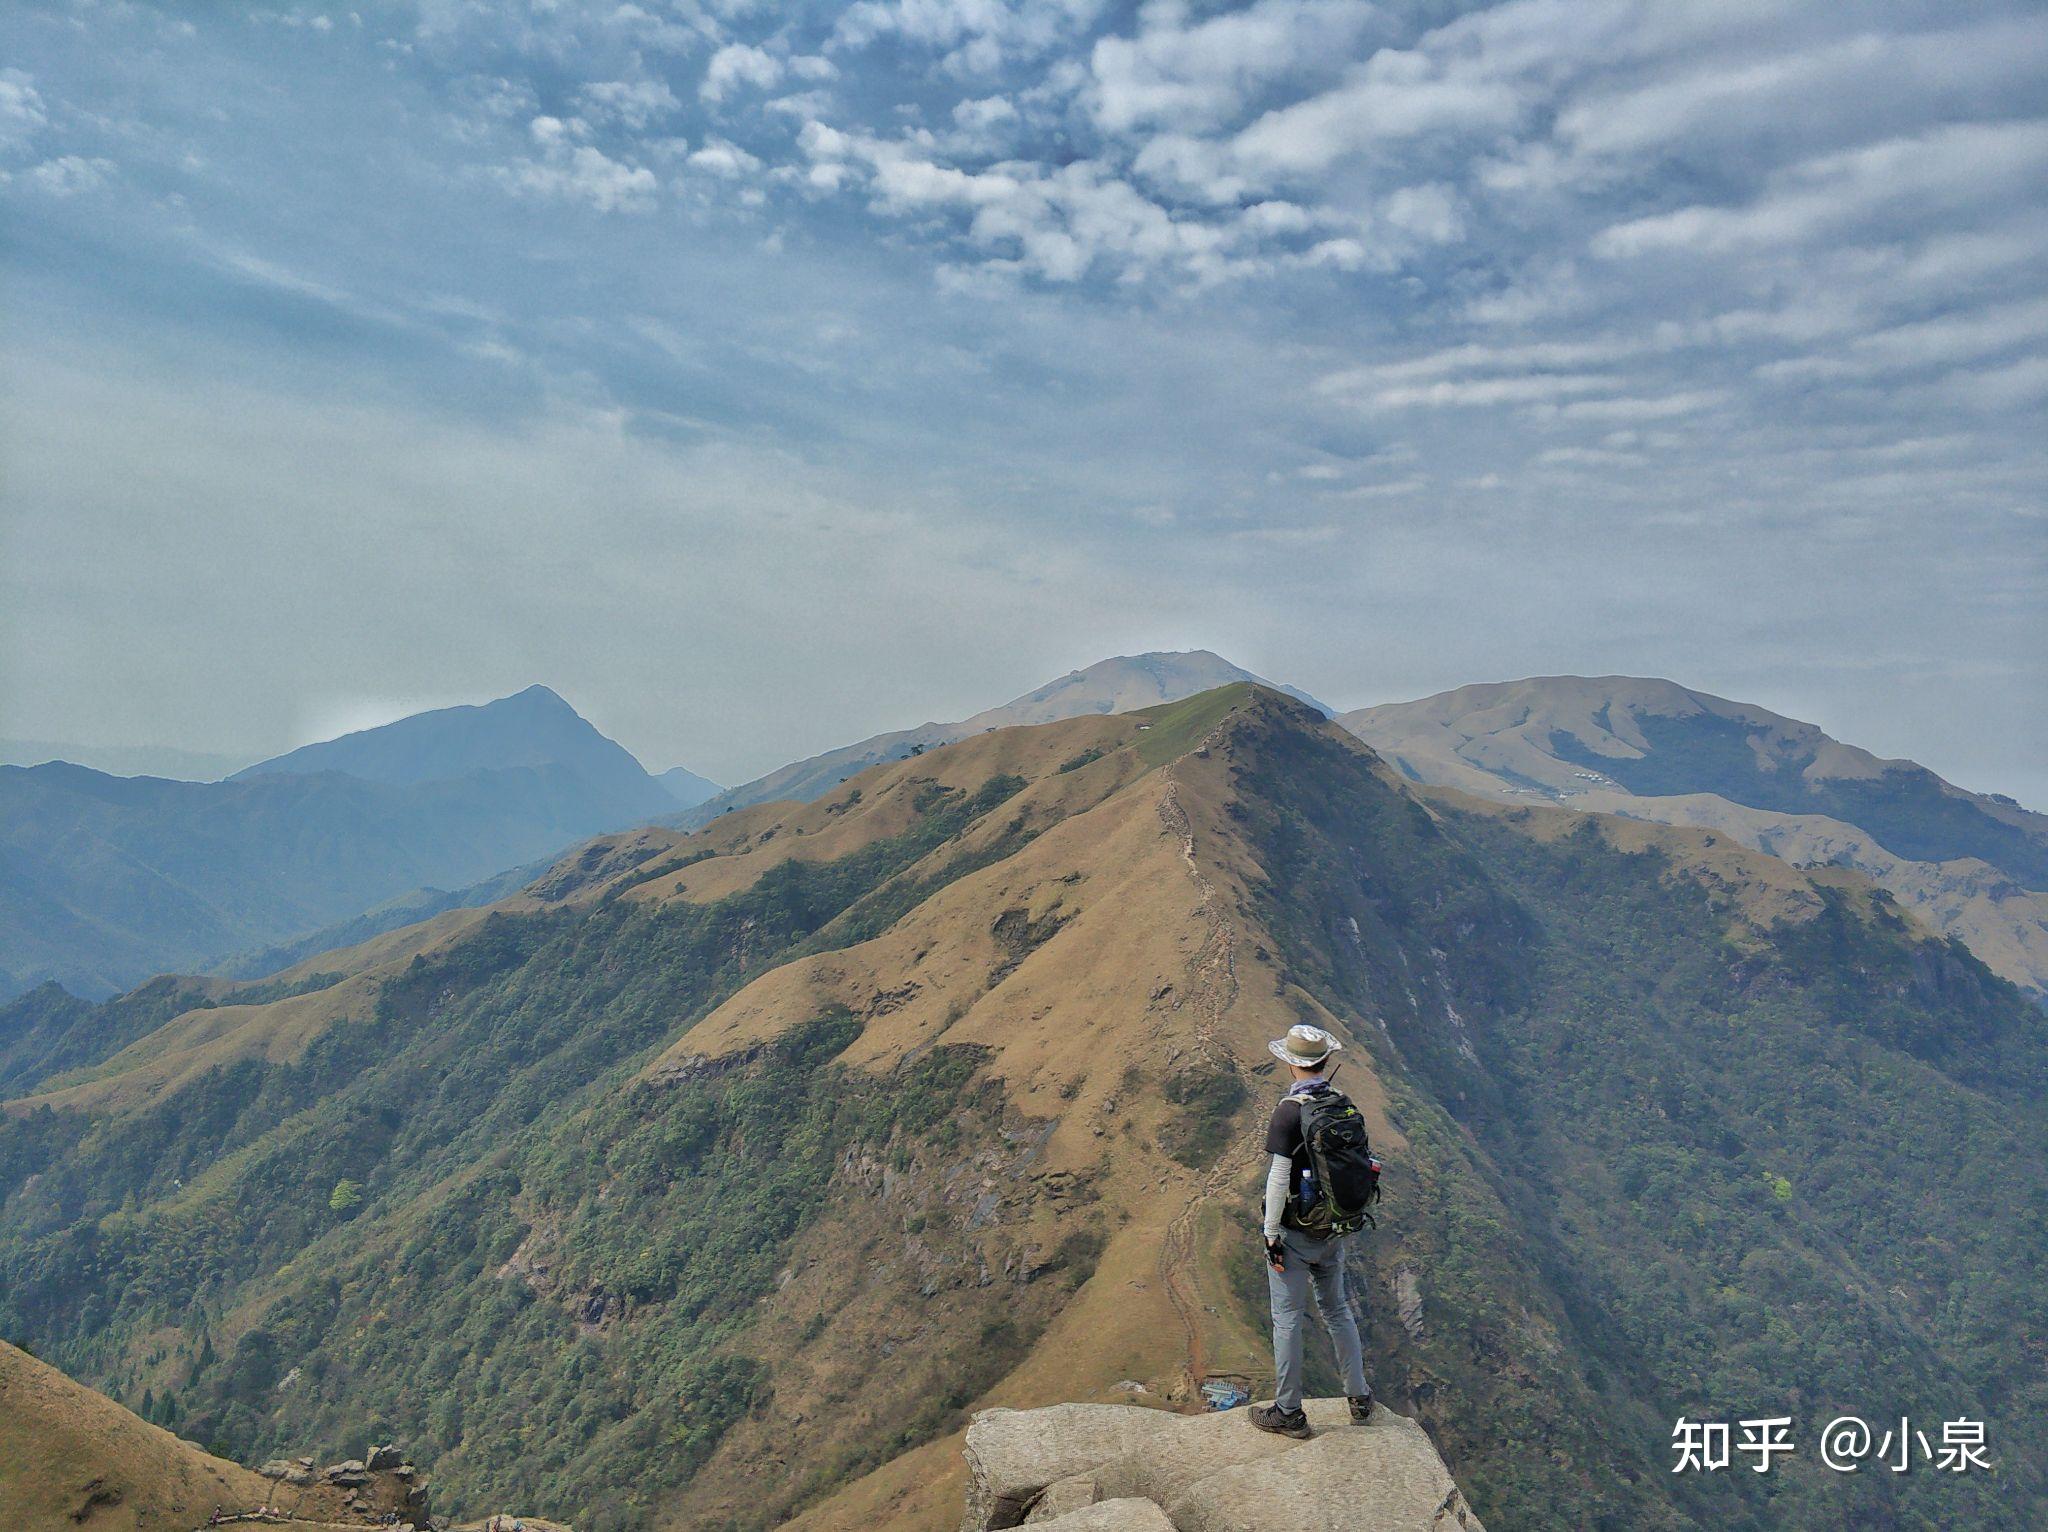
{"points": [[1283, 1136]]}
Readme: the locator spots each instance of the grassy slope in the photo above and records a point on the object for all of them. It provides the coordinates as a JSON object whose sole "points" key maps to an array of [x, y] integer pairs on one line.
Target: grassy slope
{"points": [[70, 1457], [1624, 1032], [1556, 1278], [576, 1260], [477, 1103], [1969, 865]]}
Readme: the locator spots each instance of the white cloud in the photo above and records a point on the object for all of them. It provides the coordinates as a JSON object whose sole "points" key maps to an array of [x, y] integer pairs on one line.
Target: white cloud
{"points": [[802, 105], [1586, 457], [579, 172], [21, 108], [632, 103], [1849, 85], [738, 64], [1062, 223], [487, 101], [68, 175], [1645, 407], [1198, 75], [1943, 168], [978, 116], [1393, 490], [727, 160], [973, 36], [1460, 393], [1433, 214], [1473, 357], [2018, 385], [1941, 341], [1393, 96], [1200, 168], [1407, 211]]}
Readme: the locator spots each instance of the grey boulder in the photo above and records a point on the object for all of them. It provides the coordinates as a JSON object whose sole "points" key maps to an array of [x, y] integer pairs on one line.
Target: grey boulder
{"points": [[1117, 1468], [1384, 1476], [1013, 1454], [1112, 1516]]}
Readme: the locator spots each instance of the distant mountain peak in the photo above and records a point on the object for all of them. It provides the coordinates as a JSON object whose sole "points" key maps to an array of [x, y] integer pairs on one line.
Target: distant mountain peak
{"points": [[1123, 683], [536, 727], [1650, 748]]}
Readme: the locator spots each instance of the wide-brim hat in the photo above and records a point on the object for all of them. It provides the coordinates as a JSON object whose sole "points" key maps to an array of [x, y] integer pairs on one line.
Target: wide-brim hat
{"points": [[1305, 1046]]}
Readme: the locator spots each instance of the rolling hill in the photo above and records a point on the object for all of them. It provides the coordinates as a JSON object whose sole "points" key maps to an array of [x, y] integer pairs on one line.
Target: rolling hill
{"points": [[71, 1458], [106, 880], [1122, 684], [710, 1181], [1971, 864]]}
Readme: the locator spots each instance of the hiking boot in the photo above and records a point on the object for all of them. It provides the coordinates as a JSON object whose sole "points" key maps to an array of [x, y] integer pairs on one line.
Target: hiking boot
{"points": [[1361, 1408], [1270, 1417]]}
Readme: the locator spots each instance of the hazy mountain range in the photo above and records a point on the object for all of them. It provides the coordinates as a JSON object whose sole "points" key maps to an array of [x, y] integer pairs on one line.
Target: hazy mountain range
{"points": [[1118, 685], [105, 881], [1974, 865], [124, 760], [713, 1179]]}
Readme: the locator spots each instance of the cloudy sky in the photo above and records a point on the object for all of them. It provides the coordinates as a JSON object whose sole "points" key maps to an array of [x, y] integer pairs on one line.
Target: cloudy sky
{"points": [[760, 376]]}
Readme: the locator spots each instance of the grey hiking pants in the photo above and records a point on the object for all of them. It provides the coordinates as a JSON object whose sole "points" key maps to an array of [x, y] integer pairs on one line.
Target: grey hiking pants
{"points": [[1319, 1262]]}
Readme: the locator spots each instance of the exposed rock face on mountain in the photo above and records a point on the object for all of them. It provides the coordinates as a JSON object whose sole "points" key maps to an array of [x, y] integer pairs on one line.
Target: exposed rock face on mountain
{"points": [[108, 880], [1120, 685], [716, 1178], [1118, 1468], [1971, 864]]}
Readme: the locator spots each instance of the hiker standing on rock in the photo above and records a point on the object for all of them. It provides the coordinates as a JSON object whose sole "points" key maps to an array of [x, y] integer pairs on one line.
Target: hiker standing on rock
{"points": [[1320, 1183]]}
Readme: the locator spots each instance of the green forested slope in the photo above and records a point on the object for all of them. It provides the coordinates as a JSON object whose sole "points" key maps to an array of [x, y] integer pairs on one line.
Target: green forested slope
{"points": [[1797, 1171], [1664, 1153], [351, 1214]]}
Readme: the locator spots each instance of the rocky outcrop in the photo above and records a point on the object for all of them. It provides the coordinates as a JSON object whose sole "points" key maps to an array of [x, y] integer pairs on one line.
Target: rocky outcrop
{"points": [[1012, 1455], [1121, 1468], [1113, 1516], [380, 1487]]}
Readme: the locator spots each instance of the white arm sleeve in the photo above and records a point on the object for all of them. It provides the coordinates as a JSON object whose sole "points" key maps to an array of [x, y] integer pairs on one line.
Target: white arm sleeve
{"points": [[1277, 1175]]}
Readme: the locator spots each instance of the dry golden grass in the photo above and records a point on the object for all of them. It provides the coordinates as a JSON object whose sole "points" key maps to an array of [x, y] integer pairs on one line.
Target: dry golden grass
{"points": [[1144, 956], [920, 1491], [206, 1037], [71, 1458]]}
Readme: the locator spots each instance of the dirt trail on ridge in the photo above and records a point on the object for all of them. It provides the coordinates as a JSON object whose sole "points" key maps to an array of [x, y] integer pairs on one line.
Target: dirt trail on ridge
{"points": [[1212, 988]]}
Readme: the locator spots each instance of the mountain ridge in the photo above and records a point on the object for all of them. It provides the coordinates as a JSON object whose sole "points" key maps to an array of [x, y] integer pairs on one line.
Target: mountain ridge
{"points": [[686, 787], [533, 727], [1009, 1001], [108, 880], [1973, 864], [1121, 683]]}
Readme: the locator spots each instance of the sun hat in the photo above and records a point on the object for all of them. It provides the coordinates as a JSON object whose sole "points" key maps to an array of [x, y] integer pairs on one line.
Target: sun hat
{"points": [[1306, 1046]]}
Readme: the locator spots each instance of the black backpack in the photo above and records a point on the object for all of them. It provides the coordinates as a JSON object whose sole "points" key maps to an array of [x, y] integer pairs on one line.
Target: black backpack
{"points": [[1341, 1166]]}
